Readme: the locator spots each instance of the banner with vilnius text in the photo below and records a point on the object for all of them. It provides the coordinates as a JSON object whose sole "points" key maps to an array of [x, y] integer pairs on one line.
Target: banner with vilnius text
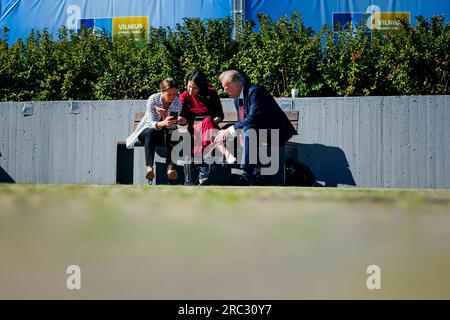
{"points": [[128, 16]]}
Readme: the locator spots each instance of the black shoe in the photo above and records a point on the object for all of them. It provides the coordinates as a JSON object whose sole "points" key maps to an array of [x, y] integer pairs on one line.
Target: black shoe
{"points": [[247, 179], [204, 178], [191, 174], [260, 180]]}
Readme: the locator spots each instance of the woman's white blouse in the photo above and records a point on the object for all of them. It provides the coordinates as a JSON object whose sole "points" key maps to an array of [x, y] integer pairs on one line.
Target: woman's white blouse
{"points": [[151, 117]]}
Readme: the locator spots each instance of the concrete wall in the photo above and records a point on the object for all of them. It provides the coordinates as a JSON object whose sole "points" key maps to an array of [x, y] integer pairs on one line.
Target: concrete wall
{"points": [[386, 141], [355, 141]]}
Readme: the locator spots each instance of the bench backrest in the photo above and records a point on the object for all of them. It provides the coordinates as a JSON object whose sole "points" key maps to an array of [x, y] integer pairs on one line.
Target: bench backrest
{"points": [[229, 117]]}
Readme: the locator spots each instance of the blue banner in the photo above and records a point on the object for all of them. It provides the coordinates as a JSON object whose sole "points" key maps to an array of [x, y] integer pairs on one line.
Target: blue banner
{"points": [[23, 15], [380, 14], [124, 16]]}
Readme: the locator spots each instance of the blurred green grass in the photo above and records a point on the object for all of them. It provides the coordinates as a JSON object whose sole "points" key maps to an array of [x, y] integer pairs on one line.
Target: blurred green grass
{"points": [[175, 242]]}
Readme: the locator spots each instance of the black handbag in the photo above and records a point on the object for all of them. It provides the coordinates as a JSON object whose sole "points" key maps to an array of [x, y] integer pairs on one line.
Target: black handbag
{"points": [[298, 174]]}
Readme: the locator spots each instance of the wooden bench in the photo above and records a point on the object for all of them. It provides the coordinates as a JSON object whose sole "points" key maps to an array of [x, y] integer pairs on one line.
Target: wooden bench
{"points": [[229, 117], [125, 157]]}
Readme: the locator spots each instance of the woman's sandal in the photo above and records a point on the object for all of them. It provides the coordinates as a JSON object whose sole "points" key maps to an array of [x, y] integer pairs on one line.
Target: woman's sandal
{"points": [[150, 175], [172, 174]]}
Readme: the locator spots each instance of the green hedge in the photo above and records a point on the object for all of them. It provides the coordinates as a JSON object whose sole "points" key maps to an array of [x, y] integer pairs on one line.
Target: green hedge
{"points": [[281, 55]]}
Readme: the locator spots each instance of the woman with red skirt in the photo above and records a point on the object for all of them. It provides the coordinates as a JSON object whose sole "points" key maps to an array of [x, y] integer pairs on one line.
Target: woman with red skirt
{"points": [[202, 111]]}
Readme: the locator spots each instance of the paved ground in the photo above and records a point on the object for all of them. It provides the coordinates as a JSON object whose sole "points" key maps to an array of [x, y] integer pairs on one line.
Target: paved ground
{"points": [[223, 243]]}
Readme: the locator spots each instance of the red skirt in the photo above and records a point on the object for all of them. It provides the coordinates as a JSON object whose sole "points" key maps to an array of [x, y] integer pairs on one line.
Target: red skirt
{"points": [[204, 130]]}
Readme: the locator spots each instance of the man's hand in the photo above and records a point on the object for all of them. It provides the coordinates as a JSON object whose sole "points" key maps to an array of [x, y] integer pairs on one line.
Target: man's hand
{"points": [[182, 121], [222, 135], [217, 120], [167, 122]]}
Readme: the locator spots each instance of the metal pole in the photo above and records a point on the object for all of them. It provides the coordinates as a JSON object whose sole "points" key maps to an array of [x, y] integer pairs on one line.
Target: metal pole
{"points": [[238, 16]]}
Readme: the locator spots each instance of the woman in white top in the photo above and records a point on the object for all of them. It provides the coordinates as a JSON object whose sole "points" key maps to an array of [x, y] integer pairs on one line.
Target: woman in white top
{"points": [[157, 125]]}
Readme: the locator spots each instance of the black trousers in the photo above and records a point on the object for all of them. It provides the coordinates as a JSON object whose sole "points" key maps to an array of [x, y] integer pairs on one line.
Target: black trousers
{"points": [[151, 138]]}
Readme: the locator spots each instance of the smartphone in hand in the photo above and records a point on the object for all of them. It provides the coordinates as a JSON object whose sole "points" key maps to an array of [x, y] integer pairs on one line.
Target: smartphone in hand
{"points": [[174, 114]]}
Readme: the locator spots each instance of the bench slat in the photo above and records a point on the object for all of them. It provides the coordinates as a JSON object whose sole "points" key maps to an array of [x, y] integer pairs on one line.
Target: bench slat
{"points": [[228, 117], [292, 115], [138, 116], [231, 116], [295, 125]]}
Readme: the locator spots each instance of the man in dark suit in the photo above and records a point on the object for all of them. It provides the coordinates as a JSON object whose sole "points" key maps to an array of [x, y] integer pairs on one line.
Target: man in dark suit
{"points": [[256, 109]]}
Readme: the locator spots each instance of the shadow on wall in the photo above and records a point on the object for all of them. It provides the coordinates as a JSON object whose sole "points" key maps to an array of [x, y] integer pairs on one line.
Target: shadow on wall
{"points": [[329, 164], [4, 176]]}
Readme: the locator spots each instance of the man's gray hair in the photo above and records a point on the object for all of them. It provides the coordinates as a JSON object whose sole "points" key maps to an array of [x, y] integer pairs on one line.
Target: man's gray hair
{"points": [[233, 76]]}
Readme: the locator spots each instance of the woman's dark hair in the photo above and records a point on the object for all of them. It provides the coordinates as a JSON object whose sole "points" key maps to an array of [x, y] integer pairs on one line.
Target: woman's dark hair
{"points": [[167, 83], [199, 78]]}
